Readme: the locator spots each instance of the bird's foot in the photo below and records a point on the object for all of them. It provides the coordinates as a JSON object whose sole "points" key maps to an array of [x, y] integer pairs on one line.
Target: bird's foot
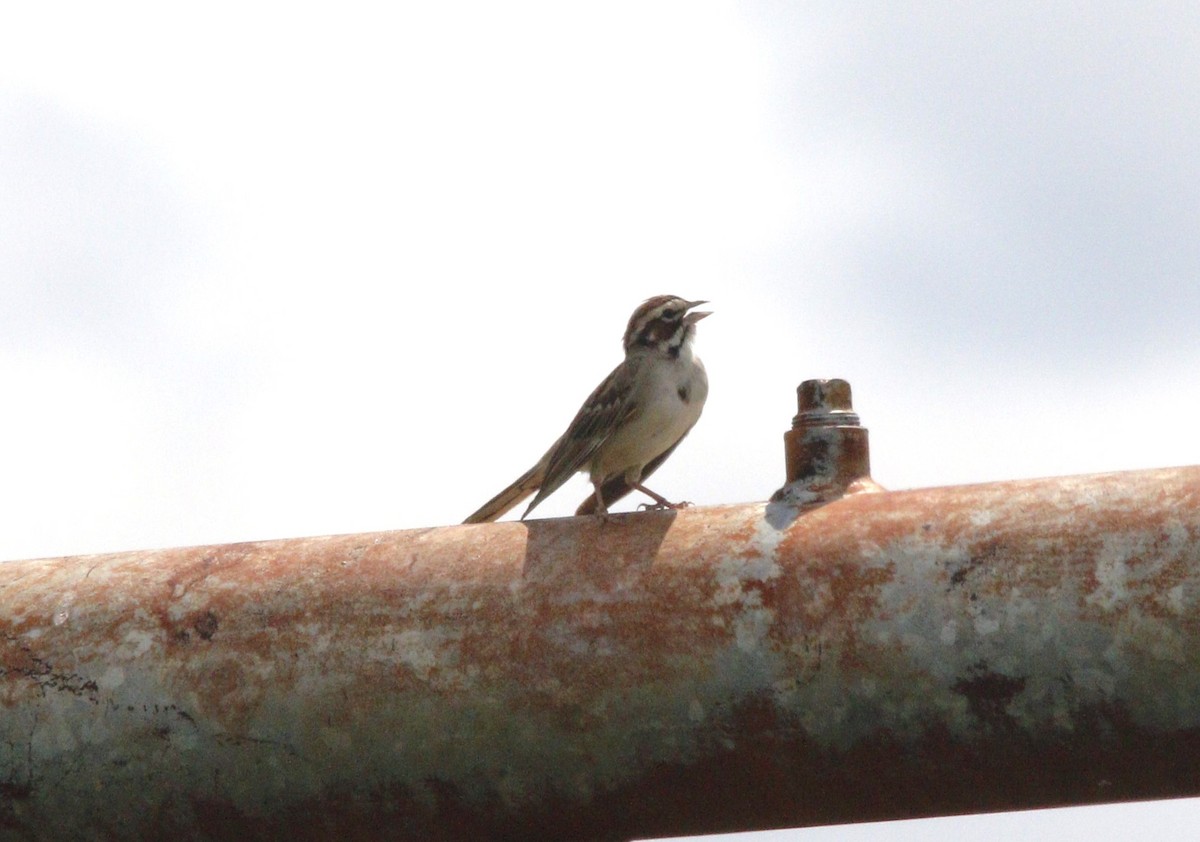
{"points": [[663, 505]]}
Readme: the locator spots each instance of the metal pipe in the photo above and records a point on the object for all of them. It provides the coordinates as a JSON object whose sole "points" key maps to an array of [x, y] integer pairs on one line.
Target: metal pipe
{"points": [[885, 655]]}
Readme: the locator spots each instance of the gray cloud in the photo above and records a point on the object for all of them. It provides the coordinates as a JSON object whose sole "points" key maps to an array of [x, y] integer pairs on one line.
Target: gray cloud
{"points": [[1036, 188], [93, 240]]}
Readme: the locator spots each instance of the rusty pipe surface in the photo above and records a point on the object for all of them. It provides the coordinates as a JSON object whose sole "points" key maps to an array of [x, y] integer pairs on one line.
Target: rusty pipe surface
{"points": [[886, 655]]}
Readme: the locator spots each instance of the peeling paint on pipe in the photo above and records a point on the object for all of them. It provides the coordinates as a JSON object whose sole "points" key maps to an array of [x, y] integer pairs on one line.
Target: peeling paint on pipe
{"points": [[885, 655]]}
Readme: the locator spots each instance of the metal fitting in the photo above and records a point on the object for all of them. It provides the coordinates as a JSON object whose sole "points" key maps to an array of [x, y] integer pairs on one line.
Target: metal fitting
{"points": [[827, 450]]}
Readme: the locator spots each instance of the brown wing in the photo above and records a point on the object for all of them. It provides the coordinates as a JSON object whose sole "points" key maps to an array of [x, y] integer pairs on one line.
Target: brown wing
{"points": [[616, 487], [607, 407]]}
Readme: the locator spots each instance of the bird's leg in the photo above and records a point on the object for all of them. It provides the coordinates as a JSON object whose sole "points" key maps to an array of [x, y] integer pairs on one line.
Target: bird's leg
{"points": [[660, 502], [601, 509]]}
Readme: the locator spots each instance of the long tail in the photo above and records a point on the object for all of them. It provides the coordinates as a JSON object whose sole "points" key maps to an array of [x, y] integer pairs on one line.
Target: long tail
{"points": [[525, 485]]}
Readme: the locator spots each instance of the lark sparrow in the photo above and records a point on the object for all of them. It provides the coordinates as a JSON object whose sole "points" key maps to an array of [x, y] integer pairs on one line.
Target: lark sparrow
{"points": [[633, 420]]}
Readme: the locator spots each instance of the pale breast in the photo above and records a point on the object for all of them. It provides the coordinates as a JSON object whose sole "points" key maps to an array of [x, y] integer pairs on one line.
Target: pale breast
{"points": [[672, 396]]}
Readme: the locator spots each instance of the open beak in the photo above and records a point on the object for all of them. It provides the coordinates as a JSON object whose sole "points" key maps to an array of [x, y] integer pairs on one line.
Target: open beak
{"points": [[692, 317]]}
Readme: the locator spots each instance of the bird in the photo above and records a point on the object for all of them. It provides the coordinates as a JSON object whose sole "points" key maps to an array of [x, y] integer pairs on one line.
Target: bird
{"points": [[631, 422]]}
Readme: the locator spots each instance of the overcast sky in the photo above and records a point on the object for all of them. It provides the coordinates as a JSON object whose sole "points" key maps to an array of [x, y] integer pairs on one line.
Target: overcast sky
{"points": [[271, 271]]}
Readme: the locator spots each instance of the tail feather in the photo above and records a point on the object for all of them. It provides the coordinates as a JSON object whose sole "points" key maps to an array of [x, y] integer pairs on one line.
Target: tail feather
{"points": [[496, 508]]}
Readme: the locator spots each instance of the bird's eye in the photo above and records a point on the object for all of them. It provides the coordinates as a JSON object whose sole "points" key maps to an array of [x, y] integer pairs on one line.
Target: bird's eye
{"points": [[670, 313]]}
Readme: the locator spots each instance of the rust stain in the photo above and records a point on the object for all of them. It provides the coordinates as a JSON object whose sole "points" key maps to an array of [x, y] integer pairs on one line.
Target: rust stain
{"points": [[885, 654], [989, 693]]}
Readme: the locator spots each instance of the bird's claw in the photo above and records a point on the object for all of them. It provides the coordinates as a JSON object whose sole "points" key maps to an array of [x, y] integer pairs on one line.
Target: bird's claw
{"points": [[660, 507]]}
